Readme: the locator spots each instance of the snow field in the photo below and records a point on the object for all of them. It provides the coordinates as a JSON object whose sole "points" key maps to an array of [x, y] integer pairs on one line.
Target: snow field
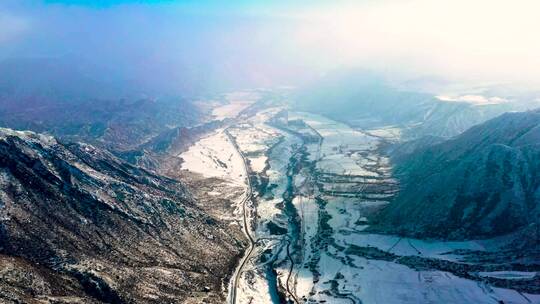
{"points": [[236, 103], [214, 156]]}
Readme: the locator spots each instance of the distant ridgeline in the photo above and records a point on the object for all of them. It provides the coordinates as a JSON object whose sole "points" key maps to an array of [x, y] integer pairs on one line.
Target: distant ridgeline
{"points": [[57, 97], [365, 101]]}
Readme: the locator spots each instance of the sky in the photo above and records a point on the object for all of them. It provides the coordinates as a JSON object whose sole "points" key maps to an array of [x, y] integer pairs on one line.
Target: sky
{"points": [[181, 45]]}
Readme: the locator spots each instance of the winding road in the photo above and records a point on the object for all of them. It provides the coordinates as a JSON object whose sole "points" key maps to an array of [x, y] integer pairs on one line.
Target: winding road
{"points": [[252, 241], [236, 276]]}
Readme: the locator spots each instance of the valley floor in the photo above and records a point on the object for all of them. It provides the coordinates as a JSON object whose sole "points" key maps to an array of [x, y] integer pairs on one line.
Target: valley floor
{"points": [[306, 186]]}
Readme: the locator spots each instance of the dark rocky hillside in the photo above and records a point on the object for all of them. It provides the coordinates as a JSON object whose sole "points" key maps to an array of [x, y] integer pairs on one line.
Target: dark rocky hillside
{"points": [[482, 183], [116, 124], [78, 225]]}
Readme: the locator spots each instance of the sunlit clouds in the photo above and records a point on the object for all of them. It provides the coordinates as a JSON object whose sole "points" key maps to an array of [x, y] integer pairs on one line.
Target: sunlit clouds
{"points": [[476, 40]]}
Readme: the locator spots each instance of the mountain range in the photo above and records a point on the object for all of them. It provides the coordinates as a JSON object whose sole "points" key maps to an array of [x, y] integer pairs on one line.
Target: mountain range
{"points": [[79, 225], [75, 102], [482, 183], [364, 100]]}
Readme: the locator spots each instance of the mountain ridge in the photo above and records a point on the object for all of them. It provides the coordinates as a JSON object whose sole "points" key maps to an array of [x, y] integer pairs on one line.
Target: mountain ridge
{"points": [[114, 231], [480, 184]]}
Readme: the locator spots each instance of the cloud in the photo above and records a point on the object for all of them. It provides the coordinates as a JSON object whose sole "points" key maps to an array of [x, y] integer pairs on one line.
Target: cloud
{"points": [[262, 44], [479, 40]]}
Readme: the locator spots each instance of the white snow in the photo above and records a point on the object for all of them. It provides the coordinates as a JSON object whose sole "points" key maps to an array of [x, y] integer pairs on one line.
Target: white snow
{"points": [[351, 155], [236, 102], [258, 163], [478, 100], [214, 156], [387, 282], [509, 275], [409, 246], [339, 151]]}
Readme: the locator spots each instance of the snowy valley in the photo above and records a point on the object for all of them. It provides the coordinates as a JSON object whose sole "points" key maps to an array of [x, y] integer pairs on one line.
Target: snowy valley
{"points": [[311, 185]]}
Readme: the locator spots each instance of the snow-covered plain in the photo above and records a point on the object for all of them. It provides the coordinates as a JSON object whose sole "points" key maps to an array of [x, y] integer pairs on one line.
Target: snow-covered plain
{"points": [[214, 156], [236, 102], [329, 273], [408, 246], [511, 275], [340, 146]]}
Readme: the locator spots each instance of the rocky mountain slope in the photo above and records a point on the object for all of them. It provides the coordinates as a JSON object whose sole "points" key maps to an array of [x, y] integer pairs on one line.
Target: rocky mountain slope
{"points": [[78, 225], [482, 183]]}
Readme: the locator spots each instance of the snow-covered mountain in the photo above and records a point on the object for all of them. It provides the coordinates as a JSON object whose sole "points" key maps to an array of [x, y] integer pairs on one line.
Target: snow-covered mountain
{"points": [[78, 225], [482, 183], [365, 101]]}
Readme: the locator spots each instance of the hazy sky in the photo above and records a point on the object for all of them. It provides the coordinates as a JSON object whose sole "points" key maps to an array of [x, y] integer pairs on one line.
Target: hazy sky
{"points": [[174, 44]]}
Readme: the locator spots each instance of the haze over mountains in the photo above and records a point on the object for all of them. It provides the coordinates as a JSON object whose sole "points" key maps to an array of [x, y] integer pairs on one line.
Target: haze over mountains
{"points": [[252, 152], [55, 96], [366, 100], [77, 215], [103, 219]]}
